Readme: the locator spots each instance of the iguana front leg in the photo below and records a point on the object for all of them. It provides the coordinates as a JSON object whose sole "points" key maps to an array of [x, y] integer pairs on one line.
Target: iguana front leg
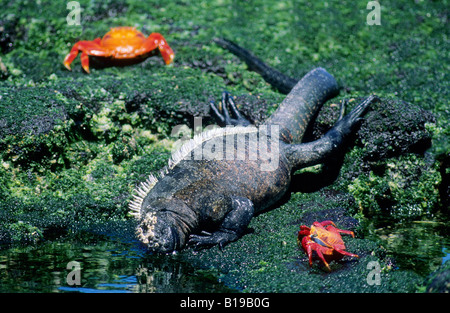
{"points": [[223, 116], [232, 228]]}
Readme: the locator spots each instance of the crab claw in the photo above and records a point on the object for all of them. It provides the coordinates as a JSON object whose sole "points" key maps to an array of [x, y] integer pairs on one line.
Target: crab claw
{"points": [[85, 61], [156, 40], [69, 59], [73, 54]]}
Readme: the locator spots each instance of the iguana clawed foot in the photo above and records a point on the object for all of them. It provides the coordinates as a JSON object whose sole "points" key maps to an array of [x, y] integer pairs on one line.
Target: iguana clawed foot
{"points": [[222, 114], [207, 240], [348, 122]]}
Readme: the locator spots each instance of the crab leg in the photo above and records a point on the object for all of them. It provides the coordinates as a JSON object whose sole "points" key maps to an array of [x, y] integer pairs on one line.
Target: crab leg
{"points": [[70, 57], [332, 227], [348, 232], [87, 48], [157, 41], [310, 246], [325, 223], [308, 249], [85, 61], [318, 250], [337, 230], [343, 252]]}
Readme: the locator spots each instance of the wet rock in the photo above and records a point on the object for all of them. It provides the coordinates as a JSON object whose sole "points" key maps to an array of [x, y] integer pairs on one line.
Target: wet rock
{"points": [[394, 127], [27, 118], [9, 32], [439, 281]]}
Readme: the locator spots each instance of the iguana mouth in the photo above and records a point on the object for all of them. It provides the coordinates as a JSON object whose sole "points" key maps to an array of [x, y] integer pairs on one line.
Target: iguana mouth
{"points": [[146, 230], [157, 235]]}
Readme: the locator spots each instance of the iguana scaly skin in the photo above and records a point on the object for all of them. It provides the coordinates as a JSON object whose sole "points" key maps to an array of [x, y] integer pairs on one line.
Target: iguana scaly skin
{"points": [[215, 183]]}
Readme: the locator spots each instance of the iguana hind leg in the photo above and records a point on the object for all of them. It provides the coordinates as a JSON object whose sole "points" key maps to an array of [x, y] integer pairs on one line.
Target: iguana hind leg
{"points": [[315, 152]]}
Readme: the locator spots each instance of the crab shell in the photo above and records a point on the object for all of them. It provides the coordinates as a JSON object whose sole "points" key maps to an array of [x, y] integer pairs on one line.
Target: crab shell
{"points": [[120, 43], [325, 239]]}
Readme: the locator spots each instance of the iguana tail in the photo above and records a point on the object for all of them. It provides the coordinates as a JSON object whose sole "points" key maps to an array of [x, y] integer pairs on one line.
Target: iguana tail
{"points": [[304, 99], [280, 81], [303, 103]]}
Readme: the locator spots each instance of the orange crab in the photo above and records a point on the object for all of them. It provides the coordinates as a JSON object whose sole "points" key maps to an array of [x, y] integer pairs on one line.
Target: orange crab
{"points": [[120, 43], [325, 239]]}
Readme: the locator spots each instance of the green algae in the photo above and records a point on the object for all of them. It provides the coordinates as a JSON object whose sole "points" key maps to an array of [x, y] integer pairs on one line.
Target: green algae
{"points": [[269, 253], [402, 188], [73, 146]]}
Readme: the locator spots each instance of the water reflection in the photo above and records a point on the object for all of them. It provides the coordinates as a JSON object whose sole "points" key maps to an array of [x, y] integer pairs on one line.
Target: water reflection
{"points": [[421, 246], [116, 263], [106, 266]]}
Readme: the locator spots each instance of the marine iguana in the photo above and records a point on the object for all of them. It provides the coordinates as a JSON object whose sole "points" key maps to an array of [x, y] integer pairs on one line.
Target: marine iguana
{"points": [[216, 182]]}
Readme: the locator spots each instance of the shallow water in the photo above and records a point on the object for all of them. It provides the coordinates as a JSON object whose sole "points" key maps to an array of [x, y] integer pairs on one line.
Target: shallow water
{"points": [[105, 265], [421, 246], [117, 264]]}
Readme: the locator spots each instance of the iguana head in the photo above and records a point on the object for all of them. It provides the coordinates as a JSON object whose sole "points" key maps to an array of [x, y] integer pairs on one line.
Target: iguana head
{"points": [[156, 234], [164, 225]]}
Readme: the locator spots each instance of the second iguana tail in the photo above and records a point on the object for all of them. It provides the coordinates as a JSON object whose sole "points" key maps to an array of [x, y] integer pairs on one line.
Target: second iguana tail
{"points": [[305, 96], [280, 81]]}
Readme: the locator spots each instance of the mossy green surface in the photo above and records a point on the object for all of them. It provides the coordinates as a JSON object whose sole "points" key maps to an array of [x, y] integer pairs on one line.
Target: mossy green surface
{"points": [[73, 145], [268, 259]]}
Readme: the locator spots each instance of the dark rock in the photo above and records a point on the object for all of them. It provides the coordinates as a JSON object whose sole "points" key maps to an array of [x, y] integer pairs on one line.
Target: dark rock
{"points": [[394, 127]]}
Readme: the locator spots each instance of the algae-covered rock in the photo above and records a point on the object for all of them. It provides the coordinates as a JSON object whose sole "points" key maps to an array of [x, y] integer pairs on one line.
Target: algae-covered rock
{"points": [[32, 124], [73, 145], [268, 258], [389, 171], [406, 187], [394, 127]]}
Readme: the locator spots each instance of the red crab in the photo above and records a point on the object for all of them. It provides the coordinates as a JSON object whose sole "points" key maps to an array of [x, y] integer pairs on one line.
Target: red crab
{"points": [[120, 43], [324, 239]]}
